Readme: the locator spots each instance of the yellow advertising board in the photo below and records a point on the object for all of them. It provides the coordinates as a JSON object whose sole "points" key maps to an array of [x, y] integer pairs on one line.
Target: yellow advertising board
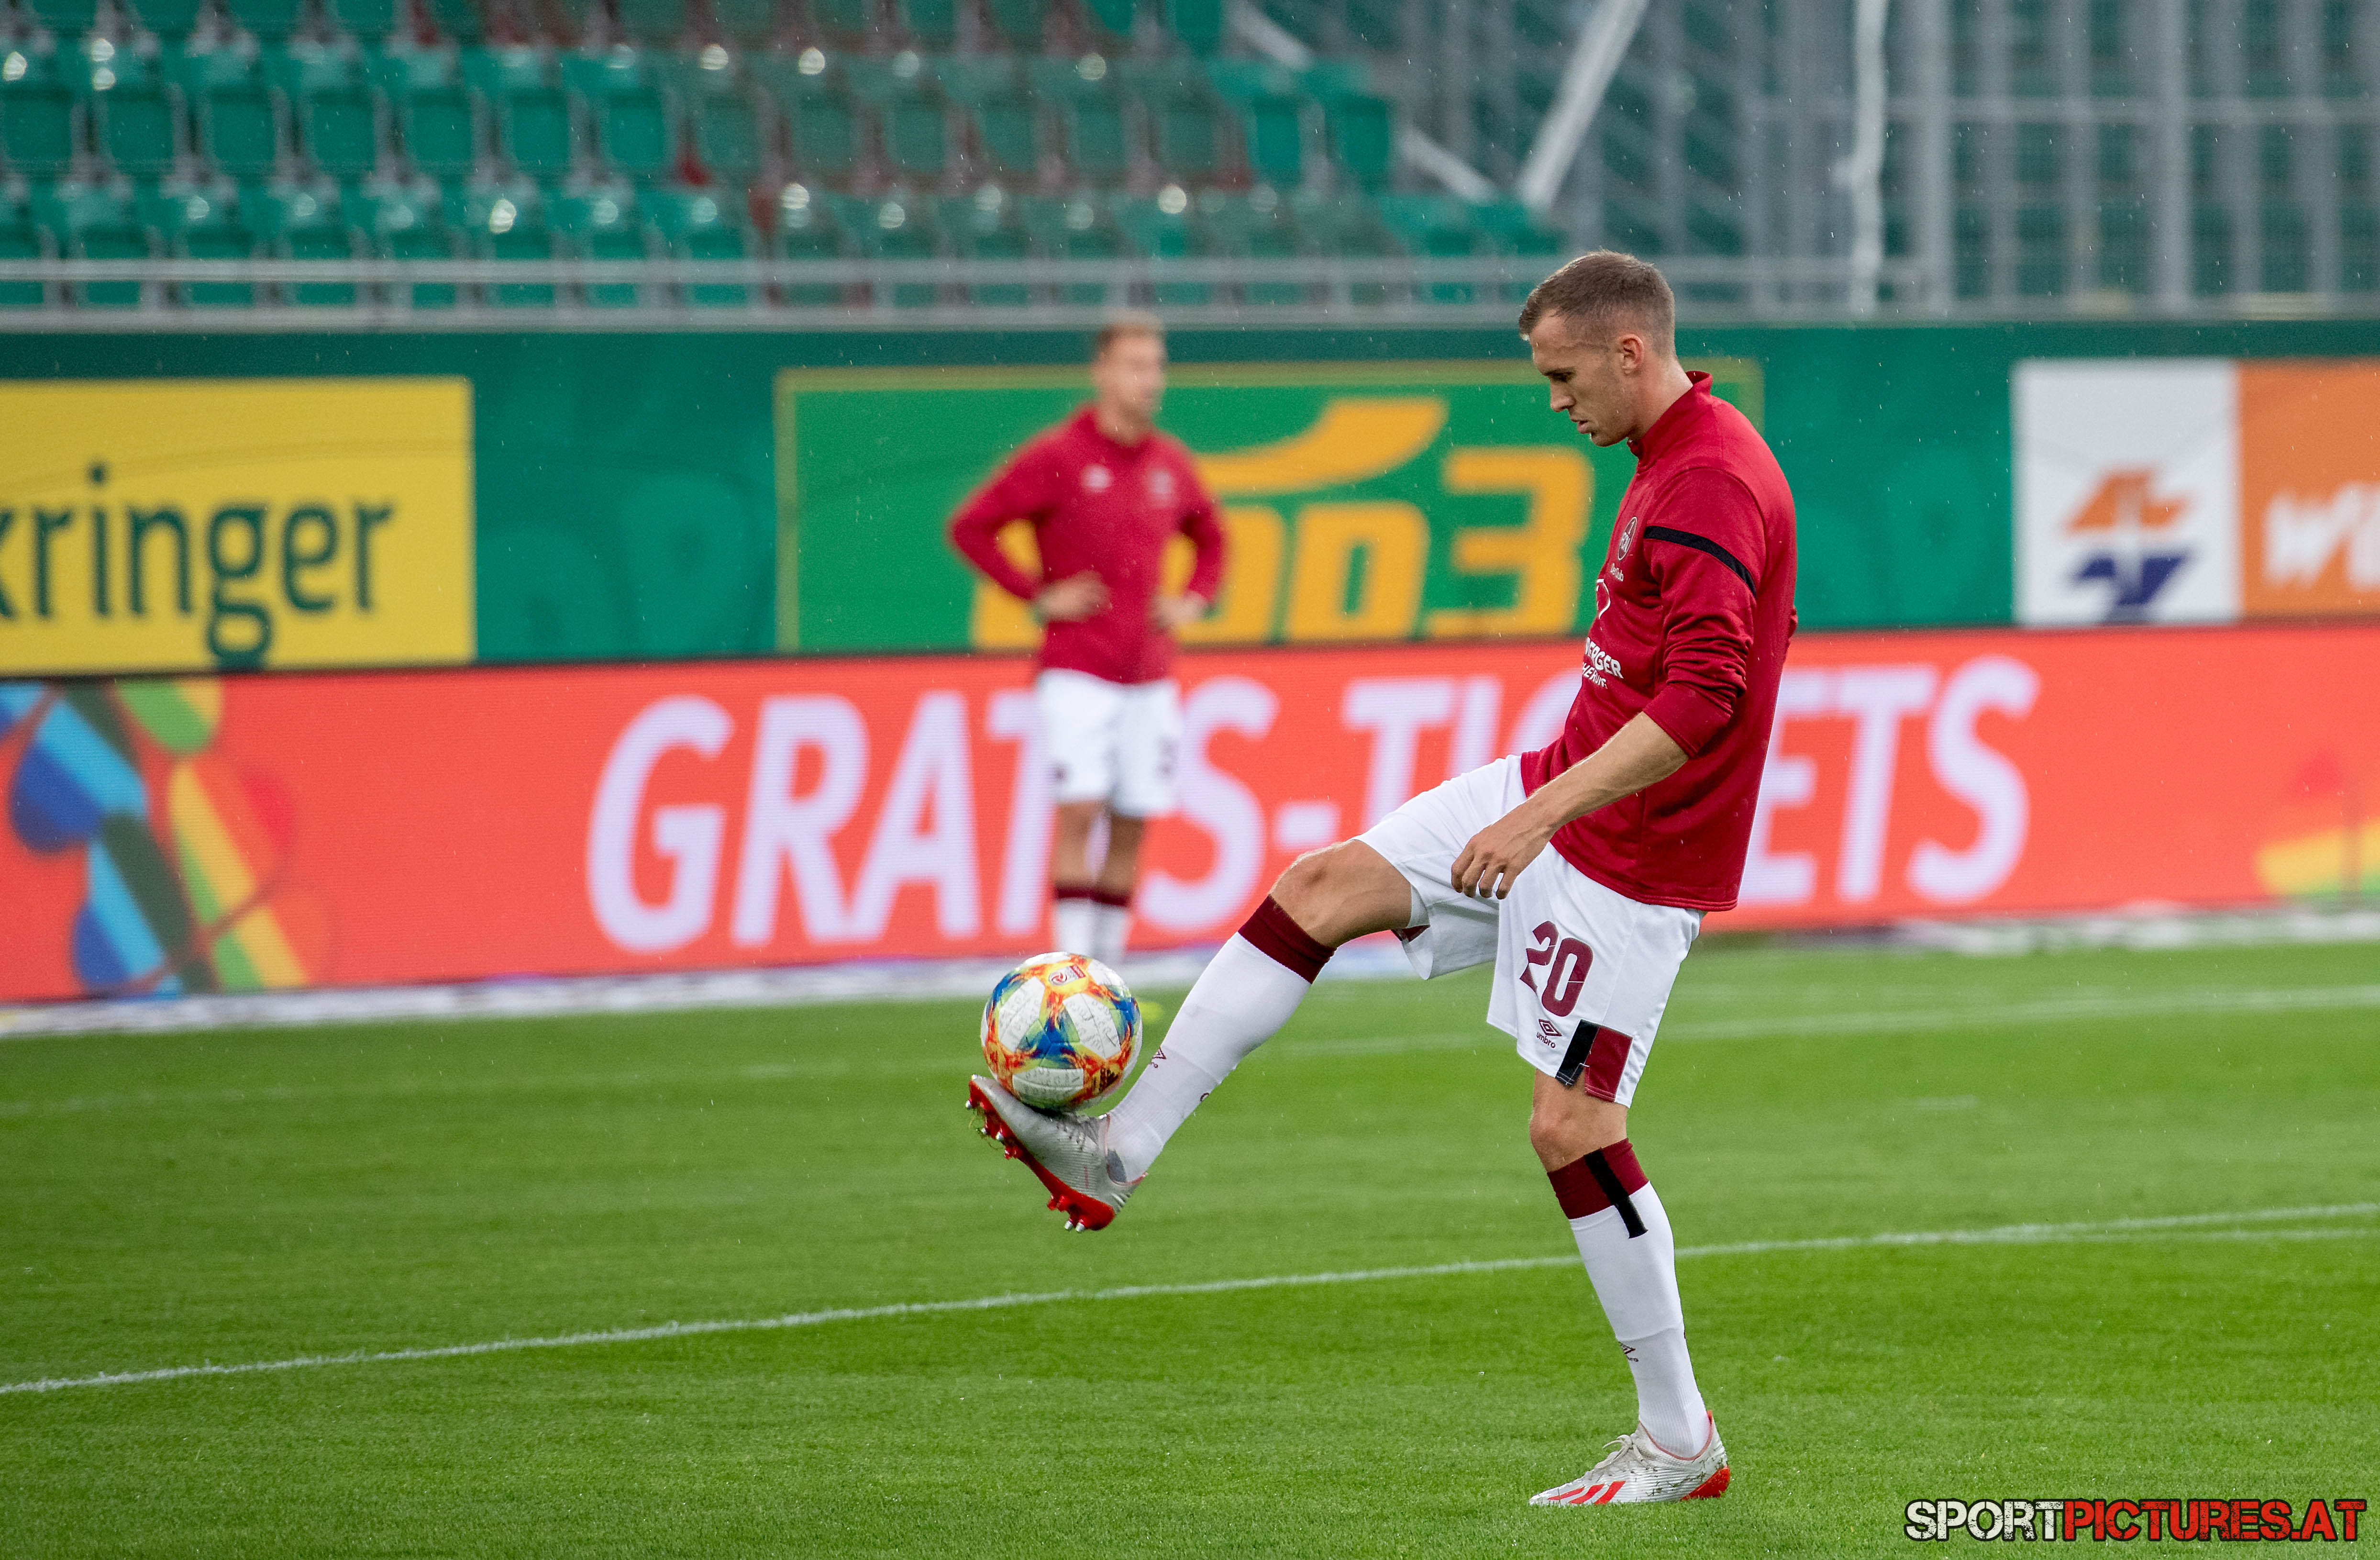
{"points": [[160, 525]]}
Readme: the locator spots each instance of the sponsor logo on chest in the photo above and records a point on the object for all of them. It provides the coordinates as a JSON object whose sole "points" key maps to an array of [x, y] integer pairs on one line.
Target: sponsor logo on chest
{"points": [[1097, 479], [1160, 485], [1600, 665]]}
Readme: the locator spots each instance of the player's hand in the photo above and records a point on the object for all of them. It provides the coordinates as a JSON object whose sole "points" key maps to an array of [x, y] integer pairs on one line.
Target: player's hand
{"points": [[1072, 599], [1492, 862], [1170, 613]]}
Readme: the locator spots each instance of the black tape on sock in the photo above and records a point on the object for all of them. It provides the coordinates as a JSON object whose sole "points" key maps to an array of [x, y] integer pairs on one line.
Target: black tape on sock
{"points": [[1609, 1179], [1573, 1060]]}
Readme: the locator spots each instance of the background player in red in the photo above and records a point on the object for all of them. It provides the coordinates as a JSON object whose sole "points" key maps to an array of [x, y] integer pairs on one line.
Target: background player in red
{"points": [[1104, 492], [1646, 799]]}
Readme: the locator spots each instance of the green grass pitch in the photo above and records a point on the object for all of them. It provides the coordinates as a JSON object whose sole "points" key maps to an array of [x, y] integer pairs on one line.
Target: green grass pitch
{"points": [[258, 1196]]}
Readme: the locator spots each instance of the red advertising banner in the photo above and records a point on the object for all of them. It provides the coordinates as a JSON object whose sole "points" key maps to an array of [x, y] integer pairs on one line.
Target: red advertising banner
{"points": [[369, 828]]}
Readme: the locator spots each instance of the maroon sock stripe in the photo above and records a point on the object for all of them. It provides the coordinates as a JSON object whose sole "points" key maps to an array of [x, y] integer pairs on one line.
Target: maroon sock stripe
{"points": [[1074, 891], [1600, 1167], [1581, 1191], [1285, 942], [1122, 901]]}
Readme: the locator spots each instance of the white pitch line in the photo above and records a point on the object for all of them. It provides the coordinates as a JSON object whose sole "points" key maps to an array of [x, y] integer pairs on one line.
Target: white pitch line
{"points": [[2167, 1227]]}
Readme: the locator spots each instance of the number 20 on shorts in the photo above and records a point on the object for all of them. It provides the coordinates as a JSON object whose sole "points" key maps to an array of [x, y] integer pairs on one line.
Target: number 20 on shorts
{"points": [[1566, 962]]}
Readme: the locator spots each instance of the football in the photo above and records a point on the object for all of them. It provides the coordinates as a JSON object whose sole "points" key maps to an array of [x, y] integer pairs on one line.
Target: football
{"points": [[1061, 1031]]}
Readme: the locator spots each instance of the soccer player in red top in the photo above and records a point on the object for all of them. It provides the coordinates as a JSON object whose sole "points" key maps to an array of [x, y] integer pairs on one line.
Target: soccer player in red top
{"points": [[1647, 799], [1104, 492]]}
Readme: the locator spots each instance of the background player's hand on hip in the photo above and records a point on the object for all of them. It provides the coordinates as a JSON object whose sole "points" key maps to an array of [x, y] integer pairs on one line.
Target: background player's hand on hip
{"points": [[1072, 599]]}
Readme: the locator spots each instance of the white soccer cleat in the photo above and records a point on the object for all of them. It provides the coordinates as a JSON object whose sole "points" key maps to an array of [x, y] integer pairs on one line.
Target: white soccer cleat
{"points": [[1069, 1153], [1638, 1471]]}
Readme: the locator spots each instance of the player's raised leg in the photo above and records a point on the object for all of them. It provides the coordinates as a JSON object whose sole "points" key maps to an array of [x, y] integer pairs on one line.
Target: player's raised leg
{"points": [[1247, 992], [1254, 984]]}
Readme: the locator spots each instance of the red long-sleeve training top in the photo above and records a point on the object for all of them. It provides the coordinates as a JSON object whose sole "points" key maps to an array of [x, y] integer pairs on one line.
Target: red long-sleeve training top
{"points": [[1694, 608], [1097, 504]]}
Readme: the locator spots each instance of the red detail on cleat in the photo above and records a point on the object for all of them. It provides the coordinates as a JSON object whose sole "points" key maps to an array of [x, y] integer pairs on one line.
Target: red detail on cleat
{"points": [[1085, 1212], [1709, 1488]]}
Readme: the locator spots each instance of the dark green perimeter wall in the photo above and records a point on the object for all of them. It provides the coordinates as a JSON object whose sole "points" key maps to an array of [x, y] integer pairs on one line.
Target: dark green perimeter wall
{"points": [[627, 492]]}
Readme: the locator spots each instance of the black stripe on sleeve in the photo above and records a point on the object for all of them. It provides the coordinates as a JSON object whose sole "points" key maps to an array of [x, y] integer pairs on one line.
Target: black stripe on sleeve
{"points": [[1703, 544]]}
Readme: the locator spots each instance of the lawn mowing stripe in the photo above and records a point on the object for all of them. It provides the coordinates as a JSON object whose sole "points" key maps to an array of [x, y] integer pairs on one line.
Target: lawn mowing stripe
{"points": [[1797, 1026], [2163, 1227]]}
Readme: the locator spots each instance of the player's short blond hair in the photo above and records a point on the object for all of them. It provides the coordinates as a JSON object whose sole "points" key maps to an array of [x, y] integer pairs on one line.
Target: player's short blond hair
{"points": [[1130, 324], [1611, 291]]}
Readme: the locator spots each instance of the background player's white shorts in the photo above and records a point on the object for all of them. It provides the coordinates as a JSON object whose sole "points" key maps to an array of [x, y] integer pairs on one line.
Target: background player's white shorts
{"points": [[1110, 742], [1568, 950]]}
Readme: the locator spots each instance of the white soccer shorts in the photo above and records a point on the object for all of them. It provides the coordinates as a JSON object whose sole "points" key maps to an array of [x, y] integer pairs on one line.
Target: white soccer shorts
{"points": [[1568, 951], [1110, 742]]}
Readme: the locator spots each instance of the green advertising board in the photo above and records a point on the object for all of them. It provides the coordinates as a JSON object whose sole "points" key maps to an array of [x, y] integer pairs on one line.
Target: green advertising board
{"points": [[1362, 501], [628, 490]]}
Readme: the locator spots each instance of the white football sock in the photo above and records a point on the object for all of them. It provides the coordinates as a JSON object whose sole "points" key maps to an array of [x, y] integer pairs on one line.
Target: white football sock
{"points": [[1074, 924], [1111, 930], [1637, 1282], [1668, 1402], [1242, 998]]}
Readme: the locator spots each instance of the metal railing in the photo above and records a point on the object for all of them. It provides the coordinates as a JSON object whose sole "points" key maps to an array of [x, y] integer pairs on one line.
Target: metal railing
{"points": [[804, 294]]}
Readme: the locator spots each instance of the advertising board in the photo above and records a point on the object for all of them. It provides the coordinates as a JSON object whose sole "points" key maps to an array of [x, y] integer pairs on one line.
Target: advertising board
{"points": [[370, 828]]}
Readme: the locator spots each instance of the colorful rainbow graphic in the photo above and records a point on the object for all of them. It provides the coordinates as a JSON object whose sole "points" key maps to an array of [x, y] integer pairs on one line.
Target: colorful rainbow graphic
{"points": [[183, 898]]}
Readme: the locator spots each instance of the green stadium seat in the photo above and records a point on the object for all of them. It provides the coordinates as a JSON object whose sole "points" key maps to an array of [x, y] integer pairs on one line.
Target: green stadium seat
{"points": [[302, 221], [20, 240], [37, 129], [602, 223], [495, 73], [702, 224], [1275, 131], [456, 19], [269, 20], [215, 241], [1003, 117], [171, 20], [982, 228], [309, 66], [821, 116], [898, 227], [239, 131], [405, 224], [1253, 226], [1196, 25], [749, 24], [1020, 22], [728, 138], [1163, 228], [534, 132], [338, 131], [930, 24], [112, 240], [1076, 227], [1513, 229], [806, 230], [441, 130], [1110, 21], [136, 129], [1348, 227], [508, 224], [715, 243], [656, 22], [634, 133], [1363, 138], [323, 240], [370, 20], [915, 128], [848, 23], [1437, 227], [67, 19]]}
